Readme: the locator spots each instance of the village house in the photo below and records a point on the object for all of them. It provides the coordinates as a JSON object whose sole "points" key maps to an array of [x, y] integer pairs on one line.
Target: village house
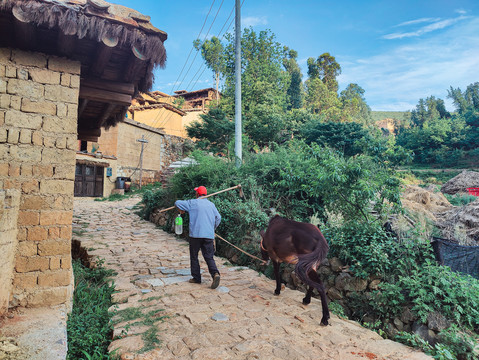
{"points": [[151, 127], [192, 103], [154, 119], [69, 69]]}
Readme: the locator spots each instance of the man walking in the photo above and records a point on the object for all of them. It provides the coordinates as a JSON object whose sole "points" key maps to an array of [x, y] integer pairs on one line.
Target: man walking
{"points": [[204, 219]]}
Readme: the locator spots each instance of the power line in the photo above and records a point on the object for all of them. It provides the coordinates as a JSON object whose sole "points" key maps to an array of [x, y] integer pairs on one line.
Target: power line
{"points": [[181, 72], [157, 122], [202, 43], [204, 65]]}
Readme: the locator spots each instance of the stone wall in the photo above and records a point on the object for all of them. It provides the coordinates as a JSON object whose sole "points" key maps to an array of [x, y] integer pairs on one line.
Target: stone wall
{"points": [[344, 289], [9, 204], [38, 139]]}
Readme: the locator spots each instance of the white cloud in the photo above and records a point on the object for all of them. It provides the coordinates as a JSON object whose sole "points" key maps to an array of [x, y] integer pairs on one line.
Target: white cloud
{"points": [[254, 21], [398, 78], [437, 25], [417, 21]]}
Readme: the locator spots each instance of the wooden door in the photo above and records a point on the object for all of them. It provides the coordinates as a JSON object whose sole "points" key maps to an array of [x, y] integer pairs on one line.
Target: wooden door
{"points": [[88, 180]]}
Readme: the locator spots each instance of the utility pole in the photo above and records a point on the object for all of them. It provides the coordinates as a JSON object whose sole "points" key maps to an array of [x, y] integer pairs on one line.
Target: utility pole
{"points": [[238, 140], [143, 142]]}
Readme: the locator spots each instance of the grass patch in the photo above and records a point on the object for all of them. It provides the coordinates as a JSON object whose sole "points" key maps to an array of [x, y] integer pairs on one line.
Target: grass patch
{"points": [[150, 338], [152, 298], [134, 190], [78, 232], [460, 200], [88, 325]]}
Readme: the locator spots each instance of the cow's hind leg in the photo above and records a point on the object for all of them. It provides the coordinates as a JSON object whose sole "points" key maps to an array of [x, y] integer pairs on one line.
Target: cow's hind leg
{"points": [[277, 276], [313, 275], [307, 298]]}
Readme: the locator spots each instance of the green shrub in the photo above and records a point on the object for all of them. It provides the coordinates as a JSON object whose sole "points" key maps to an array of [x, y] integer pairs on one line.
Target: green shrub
{"points": [[455, 344], [365, 247], [88, 326], [460, 343], [460, 200], [298, 182]]}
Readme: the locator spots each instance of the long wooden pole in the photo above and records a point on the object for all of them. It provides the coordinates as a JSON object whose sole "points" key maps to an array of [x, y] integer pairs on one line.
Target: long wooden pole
{"points": [[215, 193], [244, 252]]}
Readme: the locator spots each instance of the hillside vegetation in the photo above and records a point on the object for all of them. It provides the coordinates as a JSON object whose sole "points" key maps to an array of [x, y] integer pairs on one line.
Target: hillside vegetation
{"points": [[311, 151], [396, 115], [351, 199]]}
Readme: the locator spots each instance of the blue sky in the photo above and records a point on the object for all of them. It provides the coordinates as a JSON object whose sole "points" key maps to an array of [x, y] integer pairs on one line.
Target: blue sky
{"points": [[397, 51]]}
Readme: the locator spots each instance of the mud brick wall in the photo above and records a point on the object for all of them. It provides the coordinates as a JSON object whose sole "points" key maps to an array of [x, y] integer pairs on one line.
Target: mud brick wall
{"points": [[160, 151], [9, 203], [38, 139]]}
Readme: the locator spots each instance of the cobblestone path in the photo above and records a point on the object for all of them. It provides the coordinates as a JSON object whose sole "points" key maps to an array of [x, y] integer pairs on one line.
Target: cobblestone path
{"points": [[162, 316]]}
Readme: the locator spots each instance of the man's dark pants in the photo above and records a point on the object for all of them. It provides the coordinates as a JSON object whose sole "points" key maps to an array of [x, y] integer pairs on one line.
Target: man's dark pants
{"points": [[208, 250]]}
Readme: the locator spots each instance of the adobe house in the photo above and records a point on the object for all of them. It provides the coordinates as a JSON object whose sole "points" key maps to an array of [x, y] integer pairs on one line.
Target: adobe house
{"points": [[68, 69], [102, 166], [154, 111], [194, 103]]}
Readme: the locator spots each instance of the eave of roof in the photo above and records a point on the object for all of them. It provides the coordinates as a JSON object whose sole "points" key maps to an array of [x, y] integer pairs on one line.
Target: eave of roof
{"points": [[157, 105], [97, 20], [194, 92]]}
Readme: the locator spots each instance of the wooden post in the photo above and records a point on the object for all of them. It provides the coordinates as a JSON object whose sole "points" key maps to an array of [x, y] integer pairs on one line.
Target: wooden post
{"points": [[143, 141]]}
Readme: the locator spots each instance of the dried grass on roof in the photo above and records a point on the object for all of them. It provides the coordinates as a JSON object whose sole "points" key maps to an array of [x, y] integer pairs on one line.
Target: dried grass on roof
{"points": [[72, 21]]}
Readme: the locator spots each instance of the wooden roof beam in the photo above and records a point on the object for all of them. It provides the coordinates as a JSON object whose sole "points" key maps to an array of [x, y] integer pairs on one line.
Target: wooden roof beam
{"points": [[120, 87], [66, 44], [24, 31], [103, 55], [104, 96], [89, 134], [106, 114]]}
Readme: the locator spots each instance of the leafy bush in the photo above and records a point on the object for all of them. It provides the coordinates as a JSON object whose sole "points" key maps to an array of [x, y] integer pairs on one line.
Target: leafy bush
{"points": [[460, 200], [435, 288], [365, 247], [295, 180], [455, 344], [300, 181], [88, 326]]}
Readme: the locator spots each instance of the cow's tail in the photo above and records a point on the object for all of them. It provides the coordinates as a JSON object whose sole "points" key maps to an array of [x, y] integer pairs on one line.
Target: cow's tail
{"points": [[311, 261]]}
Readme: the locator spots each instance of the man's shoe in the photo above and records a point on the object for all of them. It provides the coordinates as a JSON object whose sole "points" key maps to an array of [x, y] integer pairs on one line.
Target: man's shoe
{"points": [[216, 281], [194, 281]]}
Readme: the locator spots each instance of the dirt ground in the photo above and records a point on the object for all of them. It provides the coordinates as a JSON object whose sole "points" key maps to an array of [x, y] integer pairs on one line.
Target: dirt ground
{"points": [[34, 334]]}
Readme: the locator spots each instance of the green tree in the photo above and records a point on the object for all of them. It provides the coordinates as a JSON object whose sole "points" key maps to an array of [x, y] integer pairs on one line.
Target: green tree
{"points": [[428, 110], [347, 138], [214, 132], [320, 100], [264, 83], [354, 105], [213, 53], [325, 68], [267, 127], [295, 90], [467, 103]]}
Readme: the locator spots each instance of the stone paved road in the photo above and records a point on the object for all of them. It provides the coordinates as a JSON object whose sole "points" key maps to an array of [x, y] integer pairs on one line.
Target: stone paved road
{"points": [[162, 316]]}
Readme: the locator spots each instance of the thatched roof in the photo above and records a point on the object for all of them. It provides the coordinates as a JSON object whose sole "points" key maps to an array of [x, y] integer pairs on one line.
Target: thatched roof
{"points": [[118, 49]]}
